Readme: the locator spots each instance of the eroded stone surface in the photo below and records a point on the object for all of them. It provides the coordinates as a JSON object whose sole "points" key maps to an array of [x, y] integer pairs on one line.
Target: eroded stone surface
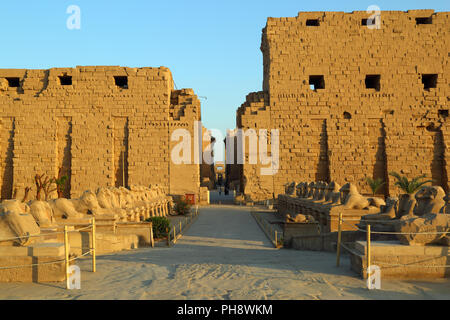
{"points": [[16, 221], [430, 228], [351, 198]]}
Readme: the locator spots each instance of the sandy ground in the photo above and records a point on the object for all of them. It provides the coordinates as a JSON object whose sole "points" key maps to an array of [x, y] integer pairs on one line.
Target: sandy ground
{"points": [[224, 255]]}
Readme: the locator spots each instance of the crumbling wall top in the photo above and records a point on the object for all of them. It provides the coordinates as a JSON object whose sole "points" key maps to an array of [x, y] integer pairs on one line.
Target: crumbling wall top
{"points": [[327, 15], [37, 82]]}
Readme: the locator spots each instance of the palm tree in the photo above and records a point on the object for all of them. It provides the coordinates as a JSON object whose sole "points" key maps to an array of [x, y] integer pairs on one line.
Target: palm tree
{"points": [[409, 186], [60, 185], [375, 184]]}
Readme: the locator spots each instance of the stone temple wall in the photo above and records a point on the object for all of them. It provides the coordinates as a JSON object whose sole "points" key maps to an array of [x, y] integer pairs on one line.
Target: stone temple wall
{"points": [[352, 102], [100, 125]]}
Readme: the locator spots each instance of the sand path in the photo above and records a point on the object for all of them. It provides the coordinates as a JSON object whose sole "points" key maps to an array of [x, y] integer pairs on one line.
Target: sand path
{"points": [[224, 255]]}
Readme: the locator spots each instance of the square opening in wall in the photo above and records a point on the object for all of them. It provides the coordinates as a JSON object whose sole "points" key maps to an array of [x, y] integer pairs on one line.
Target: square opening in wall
{"points": [[426, 20], [312, 22], [65, 80], [13, 82], [121, 81], [347, 115], [316, 82], [373, 81], [443, 113], [429, 81]]}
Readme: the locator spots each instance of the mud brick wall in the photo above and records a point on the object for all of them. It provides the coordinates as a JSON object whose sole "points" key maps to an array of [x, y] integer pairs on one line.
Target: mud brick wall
{"points": [[379, 100], [254, 114], [101, 126], [184, 110]]}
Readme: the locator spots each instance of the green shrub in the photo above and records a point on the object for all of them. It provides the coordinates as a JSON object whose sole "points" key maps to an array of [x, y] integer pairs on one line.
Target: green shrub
{"points": [[375, 184], [407, 186], [182, 207], [160, 226]]}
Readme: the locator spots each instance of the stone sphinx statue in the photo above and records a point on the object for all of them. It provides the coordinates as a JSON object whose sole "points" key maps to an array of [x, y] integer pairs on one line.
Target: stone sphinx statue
{"points": [[299, 189], [289, 188], [159, 192], [75, 208], [446, 208], [125, 198], [144, 194], [376, 202], [107, 200], [138, 195], [155, 193], [128, 203], [427, 225], [387, 211], [332, 194], [42, 213], [351, 198], [430, 228], [311, 190], [132, 204], [321, 190], [305, 191], [406, 204], [147, 196], [397, 208], [300, 218], [430, 199], [390, 208], [316, 190], [16, 221]]}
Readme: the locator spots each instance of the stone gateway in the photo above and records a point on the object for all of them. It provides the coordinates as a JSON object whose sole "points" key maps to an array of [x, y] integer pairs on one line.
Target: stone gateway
{"points": [[101, 126], [352, 102]]}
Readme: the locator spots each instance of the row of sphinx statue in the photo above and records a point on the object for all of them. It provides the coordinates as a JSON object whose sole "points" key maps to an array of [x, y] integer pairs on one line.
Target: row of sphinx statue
{"points": [[17, 218], [422, 217], [333, 194], [428, 199]]}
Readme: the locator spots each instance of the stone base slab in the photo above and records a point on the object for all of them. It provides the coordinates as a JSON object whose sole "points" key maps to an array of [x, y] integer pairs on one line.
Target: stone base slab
{"points": [[34, 254], [399, 261]]}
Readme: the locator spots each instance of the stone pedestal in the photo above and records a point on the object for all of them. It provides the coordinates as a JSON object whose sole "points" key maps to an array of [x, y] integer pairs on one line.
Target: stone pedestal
{"points": [[399, 261], [292, 230], [34, 254]]}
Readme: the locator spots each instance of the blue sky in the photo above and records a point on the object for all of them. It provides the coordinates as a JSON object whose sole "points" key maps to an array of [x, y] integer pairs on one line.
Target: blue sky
{"points": [[210, 46]]}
